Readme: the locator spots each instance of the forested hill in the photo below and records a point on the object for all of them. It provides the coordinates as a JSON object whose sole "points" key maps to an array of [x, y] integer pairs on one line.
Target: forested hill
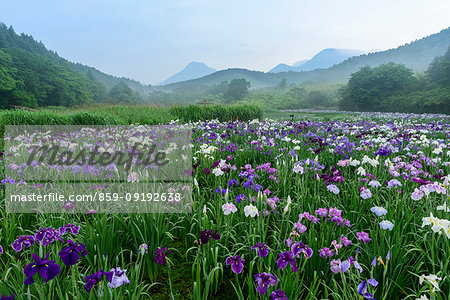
{"points": [[31, 75], [10, 39], [416, 55]]}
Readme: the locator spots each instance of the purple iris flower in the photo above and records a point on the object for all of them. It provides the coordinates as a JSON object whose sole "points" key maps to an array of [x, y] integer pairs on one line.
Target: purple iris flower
{"points": [[240, 197], [285, 259], [310, 217], [257, 187], [233, 181], [206, 235], [362, 290], [383, 151], [220, 190], [299, 247], [71, 253], [236, 262], [326, 252], [393, 183], [160, 255], [252, 177], [300, 227], [335, 266], [95, 278], [373, 282], [8, 298], [48, 235], [357, 266], [143, 249], [363, 236], [321, 212], [338, 220], [345, 265], [23, 242], [345, 241], [40, 235], [278, 295], [47, 269], [264, 280], [70, 228], [263, 250], [195, 166], [247, 184], [119, 278]]}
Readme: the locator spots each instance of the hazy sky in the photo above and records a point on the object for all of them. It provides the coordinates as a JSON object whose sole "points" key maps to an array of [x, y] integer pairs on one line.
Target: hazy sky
{"points": [[151, 40]]}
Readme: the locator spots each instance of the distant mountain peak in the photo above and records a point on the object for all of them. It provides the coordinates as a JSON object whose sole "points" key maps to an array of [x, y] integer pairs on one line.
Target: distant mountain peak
{"points": [[326, 58], [195, 63], [192, 70]]}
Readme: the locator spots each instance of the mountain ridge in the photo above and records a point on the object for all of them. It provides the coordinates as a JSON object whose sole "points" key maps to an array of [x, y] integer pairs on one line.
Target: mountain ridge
{"points": [[416, 55], [326, 58], [193, 70]]}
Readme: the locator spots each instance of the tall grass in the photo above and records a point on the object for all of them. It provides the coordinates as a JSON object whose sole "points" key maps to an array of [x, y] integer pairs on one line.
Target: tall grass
{"points": [[125, 115], [222, 113]]}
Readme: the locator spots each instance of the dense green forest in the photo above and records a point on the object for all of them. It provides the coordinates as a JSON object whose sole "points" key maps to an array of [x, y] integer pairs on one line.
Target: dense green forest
{"points": [[31, 76]]}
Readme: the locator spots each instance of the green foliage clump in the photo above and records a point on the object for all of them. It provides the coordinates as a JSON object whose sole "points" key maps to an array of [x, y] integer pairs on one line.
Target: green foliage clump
{"points": [[237, 89], [219, 112], [368, 87]]}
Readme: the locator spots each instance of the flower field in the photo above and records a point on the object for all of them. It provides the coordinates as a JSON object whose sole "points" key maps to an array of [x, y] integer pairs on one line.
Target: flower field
{"points": [[346, 209]]}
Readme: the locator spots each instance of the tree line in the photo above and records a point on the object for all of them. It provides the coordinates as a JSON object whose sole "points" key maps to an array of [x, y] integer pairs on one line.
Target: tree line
{"points": [[395, 88]]}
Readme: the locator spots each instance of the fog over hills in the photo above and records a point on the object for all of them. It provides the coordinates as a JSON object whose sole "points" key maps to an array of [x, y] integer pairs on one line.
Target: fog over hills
{"points": [[322, 60]]}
